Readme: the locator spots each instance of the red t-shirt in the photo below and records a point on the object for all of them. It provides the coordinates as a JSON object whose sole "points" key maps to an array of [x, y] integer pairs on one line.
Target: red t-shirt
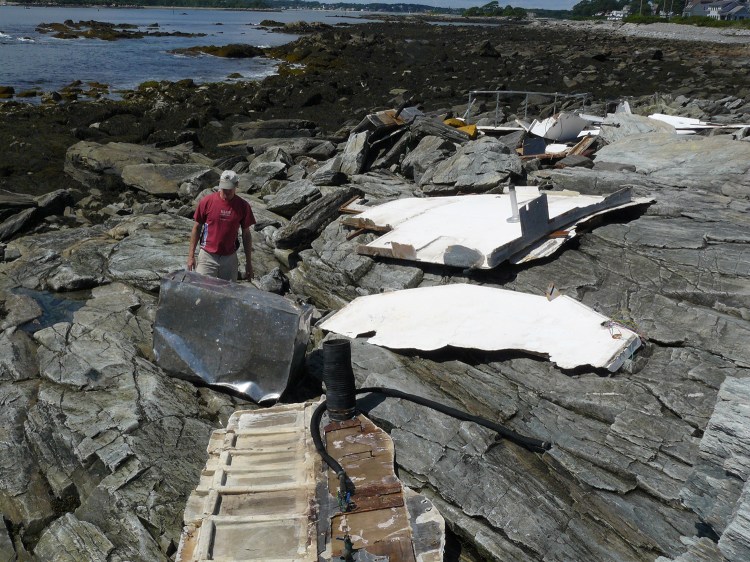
{"points": [[221, 220]]}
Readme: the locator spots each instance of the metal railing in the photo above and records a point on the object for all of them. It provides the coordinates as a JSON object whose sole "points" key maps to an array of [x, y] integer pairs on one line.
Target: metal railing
{"points": [[475, 94]]}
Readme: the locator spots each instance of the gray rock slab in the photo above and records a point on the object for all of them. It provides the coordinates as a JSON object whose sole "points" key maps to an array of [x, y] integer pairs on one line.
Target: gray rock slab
{"points": [[95, 165], [18, 309], [476, 167], [164, 180], [617, 126], [672, 158], [355, 153], [273, 128], [17, 222], [150, 247], [315, 148], [425, 155], [293, 197], [715, 489], [309, 222], [509, 490], [69, 539], [383, 185], [735, 541]]}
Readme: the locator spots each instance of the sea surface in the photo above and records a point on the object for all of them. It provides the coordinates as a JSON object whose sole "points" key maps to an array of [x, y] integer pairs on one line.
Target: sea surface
{"points": [[32, 60]]}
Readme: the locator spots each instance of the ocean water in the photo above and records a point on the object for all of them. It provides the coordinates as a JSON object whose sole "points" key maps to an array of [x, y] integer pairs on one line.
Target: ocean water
{"points": [[32, 60]]}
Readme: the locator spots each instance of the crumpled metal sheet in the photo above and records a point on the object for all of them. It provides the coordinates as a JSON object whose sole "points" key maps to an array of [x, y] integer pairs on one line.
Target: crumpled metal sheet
{"points": [[229, 334]]}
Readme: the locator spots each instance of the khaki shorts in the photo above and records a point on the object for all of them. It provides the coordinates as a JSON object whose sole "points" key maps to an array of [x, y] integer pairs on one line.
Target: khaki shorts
{"points": [[223, 267]]}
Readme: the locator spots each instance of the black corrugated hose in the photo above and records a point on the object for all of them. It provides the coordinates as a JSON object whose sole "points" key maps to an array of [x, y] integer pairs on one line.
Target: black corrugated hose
{"points": [[535, 445]]}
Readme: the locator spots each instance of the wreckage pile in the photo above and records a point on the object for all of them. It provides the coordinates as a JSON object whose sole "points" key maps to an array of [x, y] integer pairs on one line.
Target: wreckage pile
{"points": [[101, 447]]}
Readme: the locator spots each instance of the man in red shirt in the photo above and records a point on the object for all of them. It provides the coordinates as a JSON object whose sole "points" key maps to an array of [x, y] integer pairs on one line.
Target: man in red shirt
{"points": [[217, 219]]}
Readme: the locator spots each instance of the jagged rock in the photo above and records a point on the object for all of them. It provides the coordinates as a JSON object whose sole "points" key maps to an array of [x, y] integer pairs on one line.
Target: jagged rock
{"points": [[715, 490], [68, 539], [168, 180], [18, 309], [273, 154], [575, 161], [17, 222], [274, 128], [310, 221], [295, 147], [476, 167], [355, 153], [293, 197], [53, 203], [391, 157], [430, 126], [427, 154], [328, 177], [7, 552], [274, 282], [383, 185], [263, 172]]}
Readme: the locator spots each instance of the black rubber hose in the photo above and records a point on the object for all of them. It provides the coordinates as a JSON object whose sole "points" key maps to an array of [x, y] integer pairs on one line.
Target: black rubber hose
{"points": [[530, 443], [321, 448], [535, 445]]}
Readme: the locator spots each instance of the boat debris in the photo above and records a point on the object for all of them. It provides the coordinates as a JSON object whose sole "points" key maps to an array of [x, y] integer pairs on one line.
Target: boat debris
{"points": [[229, 334], [264, 495], [489, 319], [475, 232]]}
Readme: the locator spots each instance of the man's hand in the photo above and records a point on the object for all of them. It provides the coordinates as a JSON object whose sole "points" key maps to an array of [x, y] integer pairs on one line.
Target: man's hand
{"points": [[191, 263], [248, 272]]}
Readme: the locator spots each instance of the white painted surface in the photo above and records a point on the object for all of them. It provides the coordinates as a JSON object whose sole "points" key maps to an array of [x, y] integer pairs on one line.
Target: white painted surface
{"points": [[560, 127], [480, 222], [486, 318]]}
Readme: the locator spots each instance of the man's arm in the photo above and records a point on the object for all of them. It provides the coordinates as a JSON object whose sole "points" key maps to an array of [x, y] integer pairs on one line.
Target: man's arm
{"points": [[193, 243], [247, 244]]}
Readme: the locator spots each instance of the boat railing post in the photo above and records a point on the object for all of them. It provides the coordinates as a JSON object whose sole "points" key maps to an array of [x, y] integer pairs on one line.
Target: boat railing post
{"points": [[514, 217]]}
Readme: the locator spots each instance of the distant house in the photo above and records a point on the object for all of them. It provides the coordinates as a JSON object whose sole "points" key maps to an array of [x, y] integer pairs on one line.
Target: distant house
{"points": [[728, 10], [615, 15], [696, 8]]}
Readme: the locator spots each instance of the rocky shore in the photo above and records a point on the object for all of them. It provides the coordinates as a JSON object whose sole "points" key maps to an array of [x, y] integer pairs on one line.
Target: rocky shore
{"points": [[99, 448]]}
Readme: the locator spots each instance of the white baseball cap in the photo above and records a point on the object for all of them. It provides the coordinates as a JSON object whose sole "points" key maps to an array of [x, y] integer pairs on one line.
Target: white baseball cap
{"points": [[228, 180]]}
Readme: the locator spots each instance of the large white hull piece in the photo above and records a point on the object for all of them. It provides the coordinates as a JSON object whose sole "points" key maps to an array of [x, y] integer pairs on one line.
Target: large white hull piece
{"points": [[475, 232], [265, 495], [476, 317]]}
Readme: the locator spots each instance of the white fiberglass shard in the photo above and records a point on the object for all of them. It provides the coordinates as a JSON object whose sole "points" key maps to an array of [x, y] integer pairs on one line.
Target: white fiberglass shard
{"points": [[475, 317]]}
